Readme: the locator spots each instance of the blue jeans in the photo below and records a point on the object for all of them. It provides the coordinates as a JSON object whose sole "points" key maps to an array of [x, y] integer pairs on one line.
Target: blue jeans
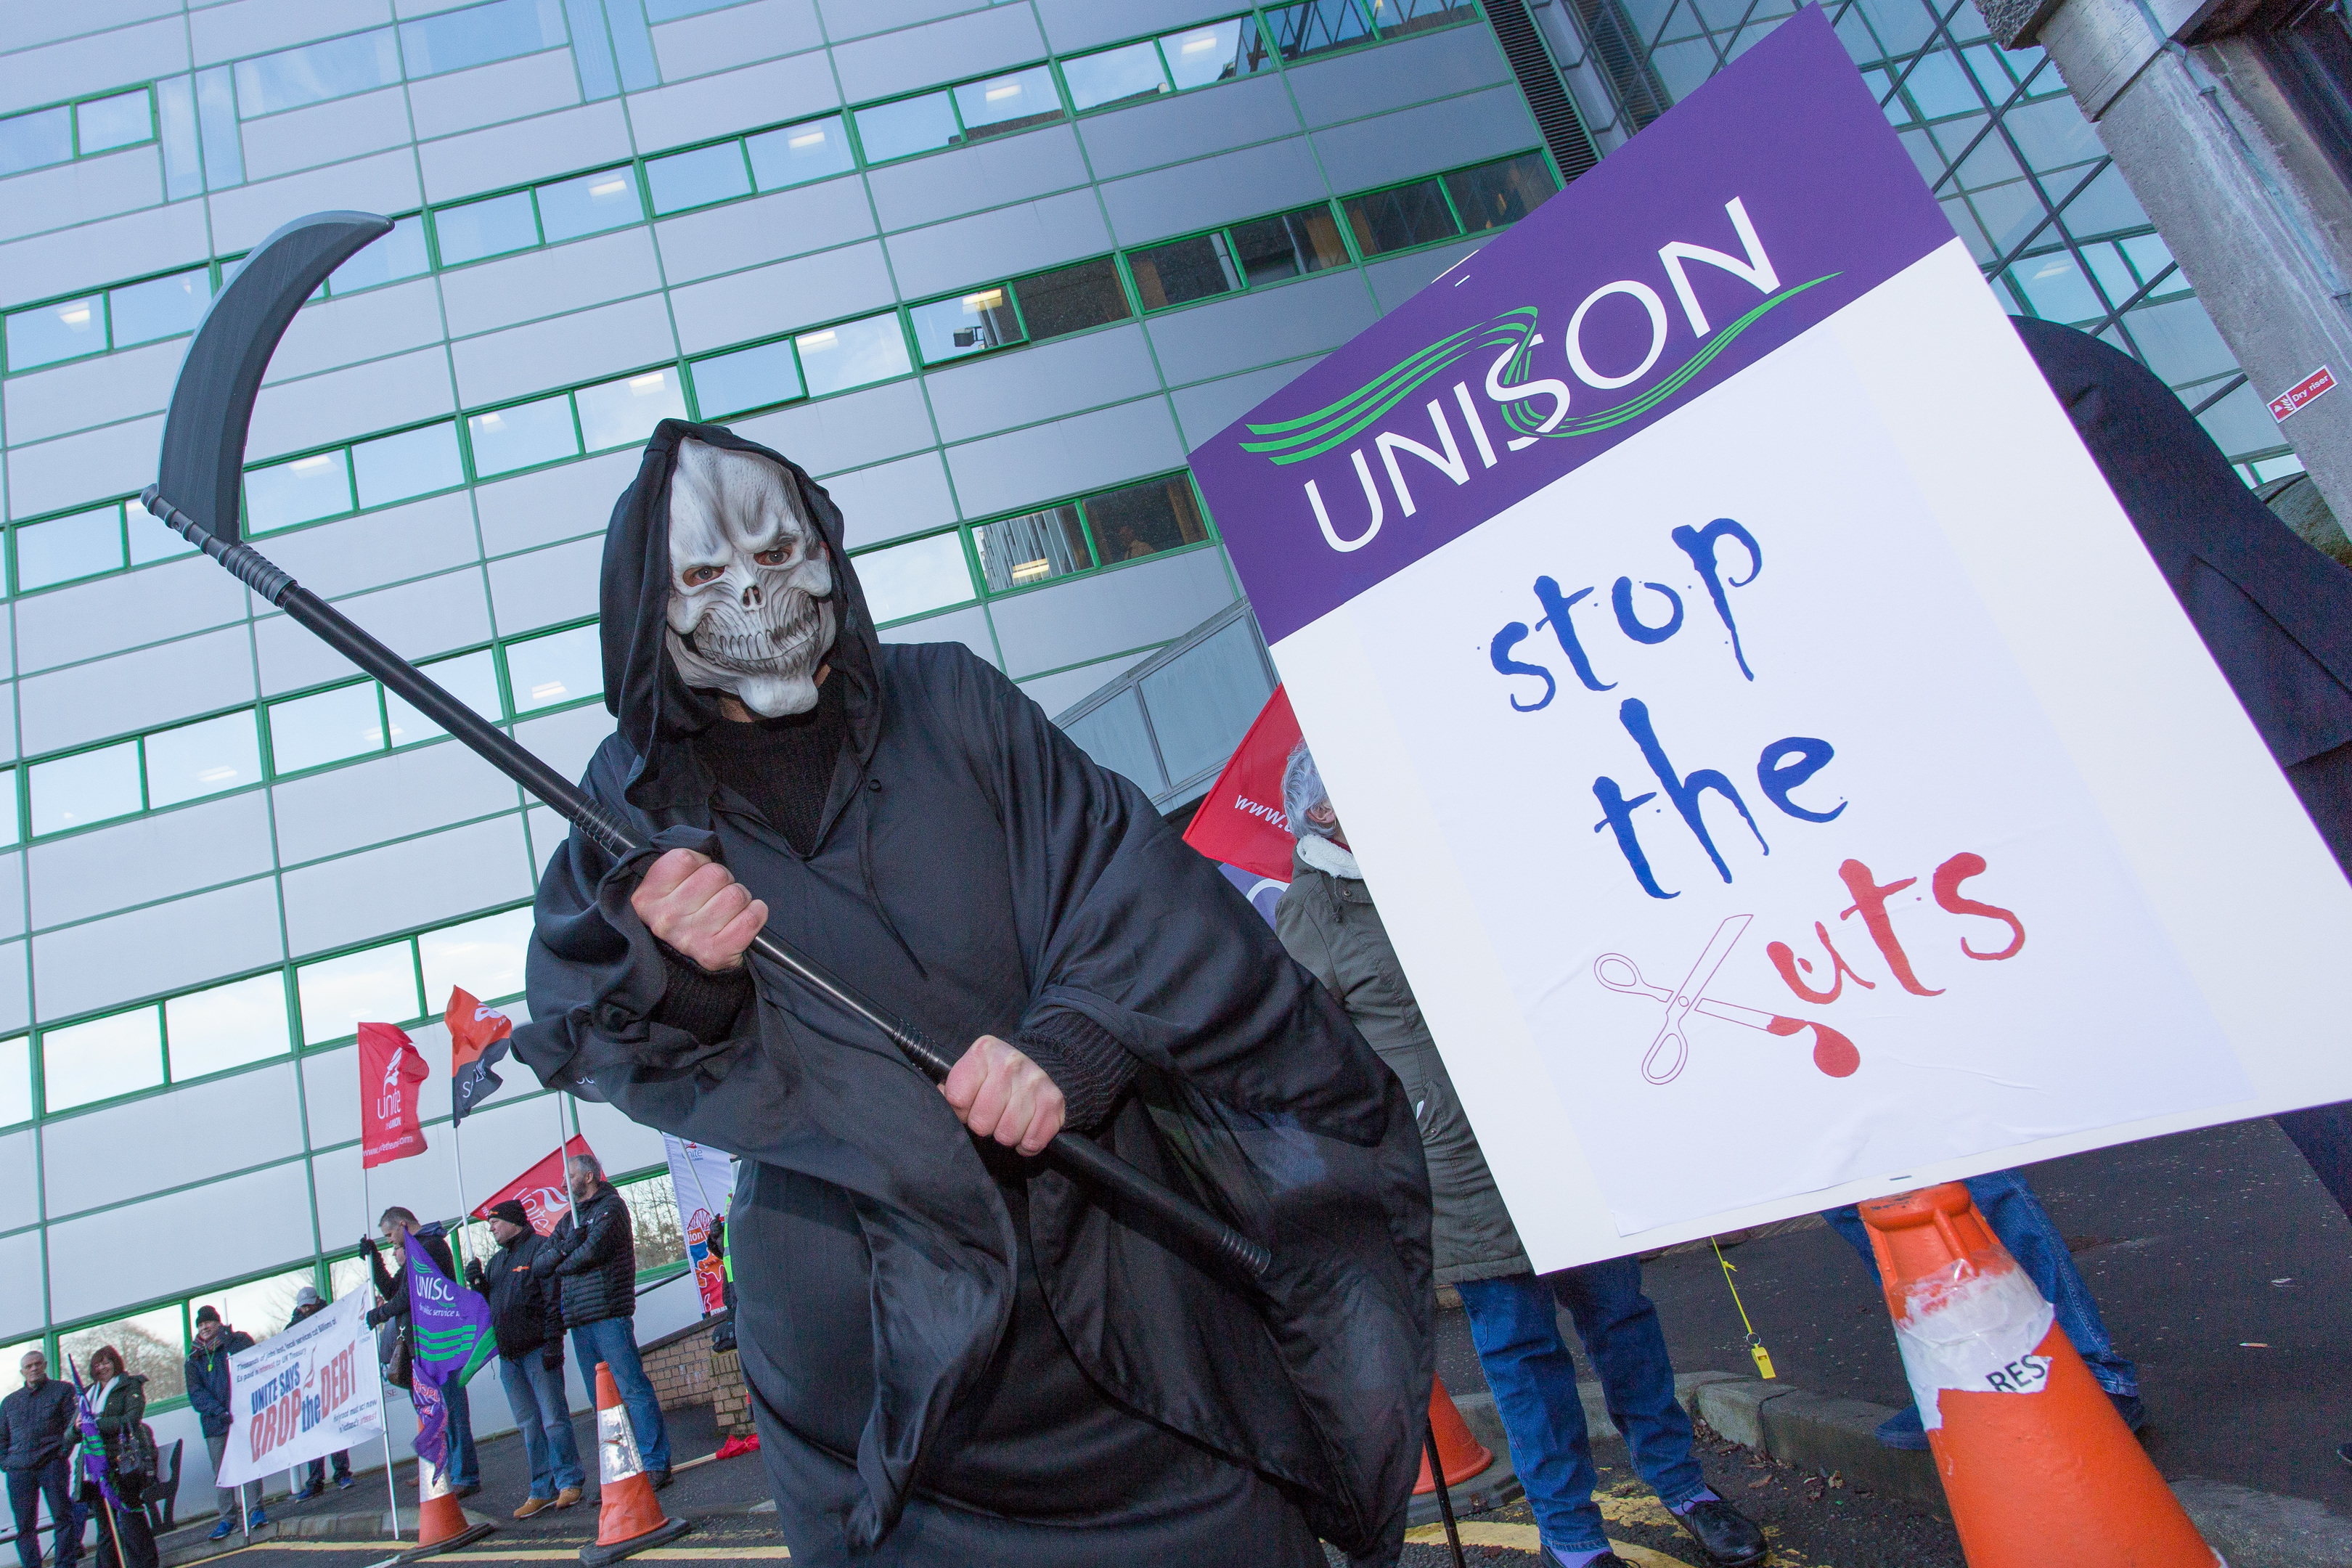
{"points": [[53, 1481], [1513, 1325], [2025, 1229], [535, 1393], [465, 1470], [613, 1341]]}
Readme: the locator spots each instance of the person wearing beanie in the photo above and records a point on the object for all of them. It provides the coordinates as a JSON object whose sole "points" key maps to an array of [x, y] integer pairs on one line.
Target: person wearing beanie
{"points": [[1327, 920], [519, 1284], [306, 1301], [208, 1380]]}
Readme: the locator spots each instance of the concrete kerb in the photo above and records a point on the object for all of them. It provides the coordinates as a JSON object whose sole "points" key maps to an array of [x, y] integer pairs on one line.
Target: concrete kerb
{"points": [[360, 1526]]}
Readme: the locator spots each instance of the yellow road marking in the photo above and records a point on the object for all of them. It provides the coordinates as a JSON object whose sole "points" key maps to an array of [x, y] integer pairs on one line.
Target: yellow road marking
{"points": [[1526, 1538], [552, 1554]]}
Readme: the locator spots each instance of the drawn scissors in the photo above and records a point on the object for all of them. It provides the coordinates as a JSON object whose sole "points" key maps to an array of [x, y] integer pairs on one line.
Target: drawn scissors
{"points": [[1619, 972]]}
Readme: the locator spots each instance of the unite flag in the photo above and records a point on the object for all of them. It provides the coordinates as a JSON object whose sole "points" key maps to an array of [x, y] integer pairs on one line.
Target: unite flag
{"points": [[478, 1038], [390, 1069]]}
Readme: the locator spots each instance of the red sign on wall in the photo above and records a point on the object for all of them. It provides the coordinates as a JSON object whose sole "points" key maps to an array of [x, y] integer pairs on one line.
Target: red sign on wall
{"points": [[2302, 391]]}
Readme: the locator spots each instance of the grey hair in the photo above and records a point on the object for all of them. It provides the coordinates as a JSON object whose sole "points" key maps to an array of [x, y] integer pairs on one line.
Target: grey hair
{"points": [[1302, 789], [589, 1162], [400, 1215]]}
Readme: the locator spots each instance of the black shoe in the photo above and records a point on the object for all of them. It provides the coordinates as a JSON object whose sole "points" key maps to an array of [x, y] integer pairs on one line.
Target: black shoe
{"points": [[2128, 1406], [660, 1477], [1723, 1533], [468, 1490]]}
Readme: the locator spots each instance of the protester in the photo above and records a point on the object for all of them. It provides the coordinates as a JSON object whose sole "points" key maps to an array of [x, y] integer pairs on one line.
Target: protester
{"points": [[37, 1433], [307, 1301], [518, 1283], [596, 1261], [208, 1392], [397, 1224], [116, 1403], [905, 818], [1328, 921], [2024, 1227]]}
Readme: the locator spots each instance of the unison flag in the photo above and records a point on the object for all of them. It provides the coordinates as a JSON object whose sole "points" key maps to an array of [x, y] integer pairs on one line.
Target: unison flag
{"points": [[477, 1038], [391, 1067], [453, 1340]]}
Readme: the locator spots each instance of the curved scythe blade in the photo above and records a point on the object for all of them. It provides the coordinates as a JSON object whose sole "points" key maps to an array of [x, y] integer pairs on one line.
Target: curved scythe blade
{"points": [[202, 466]]}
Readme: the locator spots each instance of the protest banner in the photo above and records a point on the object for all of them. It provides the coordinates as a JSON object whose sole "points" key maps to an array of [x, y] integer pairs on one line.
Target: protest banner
{"points": [[540, 1190], [703, 1181], [304, 1393], [391, 1069], [1240, 821], [453, 1340], [1784, 776]]}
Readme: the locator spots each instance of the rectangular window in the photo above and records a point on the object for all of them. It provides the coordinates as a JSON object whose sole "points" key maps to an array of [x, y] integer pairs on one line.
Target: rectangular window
{"points": [[653, 1224], [63, 330], [304, 490], [1316, 27], [1183, 271], [1071, 299], [1035, 548], [1114, 76], [325, 727], [205, 758], [624, 412], [520, 437], [1500, 192], [8, 834], [698, 178], [485, 956], [259, 1306], [491, 227], [1395, 19], [909, 126], [83, 1063], [400, 253], [799, 153], [548, 672], [15, 1081], [1272, 249], [377, 983], [37, 140], [88, 786], [1007, 103], [412, 463], [64, 549], [967, 324], [1222, 51], [479, 35], [471, 678], [151, 539], [159, 308], [746, 379], [123, 119], [316, 72], [227, 1027], [1400, 219], [902, 580], [152, 1344], [589, 204], [1146, 518], [853, 354]]}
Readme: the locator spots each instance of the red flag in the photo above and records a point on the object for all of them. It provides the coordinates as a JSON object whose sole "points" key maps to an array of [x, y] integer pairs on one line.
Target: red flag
{"points": [[477, 1038], [391, 1068], [1240, 821], [540, 1190]]}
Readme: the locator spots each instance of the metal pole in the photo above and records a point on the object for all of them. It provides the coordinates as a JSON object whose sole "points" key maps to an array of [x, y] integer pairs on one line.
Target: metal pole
{"points": [[1445, 1498], [392, 1488]]}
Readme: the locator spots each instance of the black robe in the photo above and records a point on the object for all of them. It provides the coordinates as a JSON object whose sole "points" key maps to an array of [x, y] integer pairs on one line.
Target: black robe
{"points": [[2276, 614], [957, 1356]]}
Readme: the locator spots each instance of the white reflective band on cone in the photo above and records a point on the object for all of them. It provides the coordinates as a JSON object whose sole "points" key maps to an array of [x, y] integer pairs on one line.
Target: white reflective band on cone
{"points": [[1976, 1332], [432, 1480], [616, 1447]]}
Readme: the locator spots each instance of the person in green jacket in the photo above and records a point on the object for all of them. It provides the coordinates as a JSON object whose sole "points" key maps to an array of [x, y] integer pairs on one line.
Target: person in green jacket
{"points": [[1328, 921]]}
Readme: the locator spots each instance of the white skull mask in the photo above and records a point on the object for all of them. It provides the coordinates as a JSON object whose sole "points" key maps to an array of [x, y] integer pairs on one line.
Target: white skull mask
{"points": [[750, 582]]}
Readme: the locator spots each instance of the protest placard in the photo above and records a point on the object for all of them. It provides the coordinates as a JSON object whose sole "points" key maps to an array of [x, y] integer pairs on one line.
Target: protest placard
{"points": [[1784, 776], [703, 1180], [303, 1394]]}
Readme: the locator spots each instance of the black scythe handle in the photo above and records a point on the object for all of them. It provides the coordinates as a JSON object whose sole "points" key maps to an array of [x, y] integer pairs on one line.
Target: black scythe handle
{"points": [[1073, 1155]]}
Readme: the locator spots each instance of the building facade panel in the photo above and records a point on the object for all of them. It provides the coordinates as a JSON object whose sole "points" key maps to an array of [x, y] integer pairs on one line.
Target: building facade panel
{"points": [[179, 944], [1086, 452], [910, 58], [180, 1136], [494, 94], [722, 41], [82, 876], [386, 798], [1152, 603], [764, 229], [890, 500], [324, 133], [1024, 237], [737, 96], [417, 619], [1179, 128]]}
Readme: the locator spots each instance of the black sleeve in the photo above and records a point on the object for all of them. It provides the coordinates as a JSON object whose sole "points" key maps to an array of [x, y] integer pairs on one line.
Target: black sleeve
{"points": [[1085, 1062], [386, 1282], [703, 1003]]}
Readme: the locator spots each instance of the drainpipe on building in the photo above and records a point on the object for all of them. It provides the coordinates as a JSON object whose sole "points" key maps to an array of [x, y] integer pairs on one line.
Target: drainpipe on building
{"points": [[2229, 119]]}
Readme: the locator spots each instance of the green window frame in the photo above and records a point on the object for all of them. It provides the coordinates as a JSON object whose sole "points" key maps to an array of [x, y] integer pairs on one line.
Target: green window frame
{"points": [[116, 316], [85, 127], [773, 158], [1034, 308], [525, 433], [58, 549], [327, 484], [358, 980], [135, 760], [164, 1356], [499, 224], [960, 108], [1233, 257], [188, 1030], [381, 721], [1437, 209]]}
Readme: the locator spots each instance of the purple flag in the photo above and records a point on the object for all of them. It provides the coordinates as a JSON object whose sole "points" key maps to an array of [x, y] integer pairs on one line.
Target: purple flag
{"points": [[93, 1448], [450, 1329]]}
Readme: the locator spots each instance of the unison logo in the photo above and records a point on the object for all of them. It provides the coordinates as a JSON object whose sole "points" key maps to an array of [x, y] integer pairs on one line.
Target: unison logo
{"points": [[1534, 407]]}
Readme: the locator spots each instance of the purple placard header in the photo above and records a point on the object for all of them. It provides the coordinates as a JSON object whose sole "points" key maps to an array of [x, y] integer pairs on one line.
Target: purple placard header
{"points": [[1773, 195]]}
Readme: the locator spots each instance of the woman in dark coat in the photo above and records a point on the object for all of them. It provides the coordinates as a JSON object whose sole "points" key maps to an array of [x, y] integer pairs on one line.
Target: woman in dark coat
{"points": [[117, 1403], [956, 1356]]}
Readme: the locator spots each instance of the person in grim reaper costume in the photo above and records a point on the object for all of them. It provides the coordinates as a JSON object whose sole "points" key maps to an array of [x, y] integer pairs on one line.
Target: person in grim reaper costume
{"points": [[956, 1356]]}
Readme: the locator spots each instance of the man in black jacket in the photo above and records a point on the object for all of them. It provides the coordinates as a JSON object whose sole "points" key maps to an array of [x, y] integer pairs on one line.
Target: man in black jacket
{"points": [[398, 1224], [518, 1284], [208, 1392], [597, 1293], [36, 1424]]}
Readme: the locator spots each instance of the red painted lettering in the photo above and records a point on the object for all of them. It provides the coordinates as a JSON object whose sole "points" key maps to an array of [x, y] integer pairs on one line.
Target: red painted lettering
{"points": [[1789, 963], [1870, 902], [1948, 877]]}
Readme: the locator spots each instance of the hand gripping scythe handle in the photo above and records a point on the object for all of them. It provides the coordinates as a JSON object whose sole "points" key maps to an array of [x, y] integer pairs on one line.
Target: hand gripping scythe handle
{"points": [[203, 463]]}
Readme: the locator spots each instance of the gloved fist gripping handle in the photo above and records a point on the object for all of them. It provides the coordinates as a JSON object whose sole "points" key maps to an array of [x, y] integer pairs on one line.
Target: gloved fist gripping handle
{"points": [[693, 903]]}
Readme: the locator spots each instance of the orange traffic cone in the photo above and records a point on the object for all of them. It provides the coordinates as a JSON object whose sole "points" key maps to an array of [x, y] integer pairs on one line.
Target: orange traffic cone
{"points": [[629, 1518], [2036, 1464], [440, 1523], [1464, 1454]]}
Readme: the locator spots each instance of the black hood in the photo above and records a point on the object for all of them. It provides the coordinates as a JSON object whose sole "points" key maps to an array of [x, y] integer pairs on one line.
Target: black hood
{"points": [[655, 707], [2276, 614]]}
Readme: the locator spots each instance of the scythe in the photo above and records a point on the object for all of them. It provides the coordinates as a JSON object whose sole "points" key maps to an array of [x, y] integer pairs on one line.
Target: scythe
{"points": [[203, 467]]}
